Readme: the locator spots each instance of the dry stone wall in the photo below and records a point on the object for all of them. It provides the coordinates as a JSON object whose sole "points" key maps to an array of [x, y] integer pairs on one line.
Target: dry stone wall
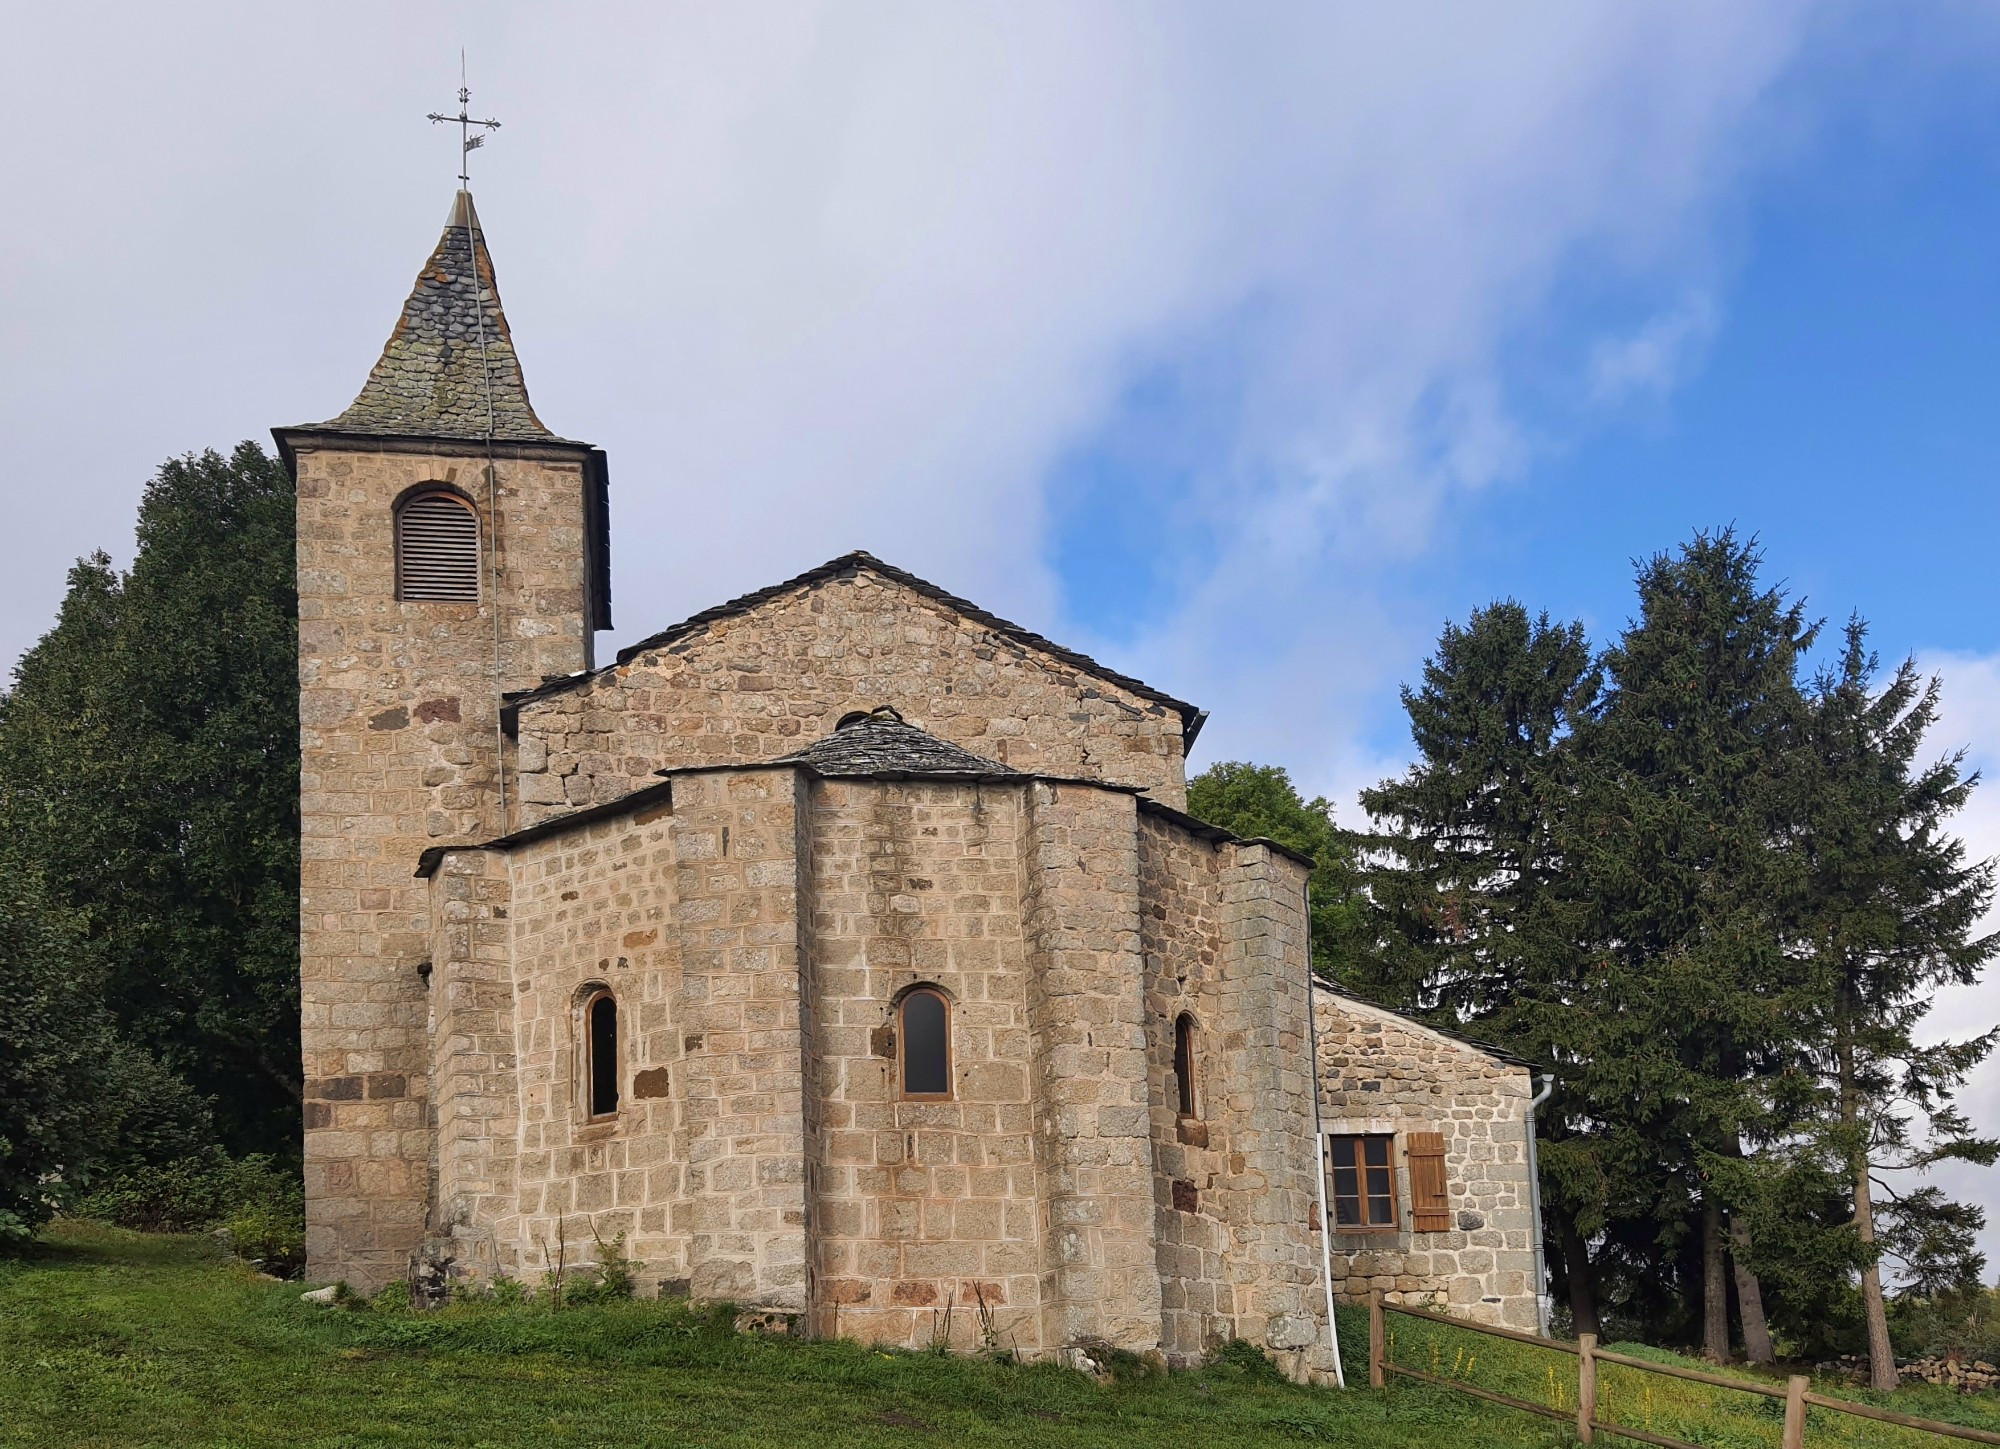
{"points": [[766, 682], [397, 729], [1381, 1073]]}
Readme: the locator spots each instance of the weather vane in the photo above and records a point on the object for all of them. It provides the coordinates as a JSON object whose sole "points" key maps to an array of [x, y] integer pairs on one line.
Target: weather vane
{"points": [[468, 139]]}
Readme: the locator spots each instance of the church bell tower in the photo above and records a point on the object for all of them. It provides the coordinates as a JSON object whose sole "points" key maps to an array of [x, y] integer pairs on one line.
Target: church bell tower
{"points": [[451, 550]]}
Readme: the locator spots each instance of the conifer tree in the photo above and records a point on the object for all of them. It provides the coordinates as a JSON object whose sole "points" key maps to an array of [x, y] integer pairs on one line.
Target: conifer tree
{"points": [[1473, 920], [1687, 774], [1890, 916]]}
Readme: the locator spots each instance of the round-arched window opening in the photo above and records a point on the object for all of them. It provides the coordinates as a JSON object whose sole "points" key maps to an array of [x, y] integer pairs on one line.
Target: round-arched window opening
{"points": [[437, 549], [1184, 1066], [600, 1072], [925, 1038]]}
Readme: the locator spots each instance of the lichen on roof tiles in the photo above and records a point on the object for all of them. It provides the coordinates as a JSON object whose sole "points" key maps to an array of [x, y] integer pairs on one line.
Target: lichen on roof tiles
{"points": [[428, 382]]}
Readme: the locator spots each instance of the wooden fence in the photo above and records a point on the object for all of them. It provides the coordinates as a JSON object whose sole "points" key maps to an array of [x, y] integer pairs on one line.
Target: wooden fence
{"points": [[1797, 1392]]}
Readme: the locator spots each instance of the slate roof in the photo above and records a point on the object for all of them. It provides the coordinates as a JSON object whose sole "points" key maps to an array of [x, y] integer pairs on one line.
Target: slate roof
{"points": [[881, 745], [1192, 717], [429, 381]]}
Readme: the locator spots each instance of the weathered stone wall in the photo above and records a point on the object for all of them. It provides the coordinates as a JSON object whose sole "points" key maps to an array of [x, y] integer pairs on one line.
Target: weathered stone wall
{"points": [[1380, 1072], [475, 1081], [595, 906], [921, 1210], [397, 716], [1225, 943], [1180, 927], [762, 684], [1099, 1274], [742, 1020]]}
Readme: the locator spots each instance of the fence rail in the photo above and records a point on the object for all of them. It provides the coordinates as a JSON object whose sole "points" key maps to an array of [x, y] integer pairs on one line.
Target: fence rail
{"points": [[1797, 1392]]}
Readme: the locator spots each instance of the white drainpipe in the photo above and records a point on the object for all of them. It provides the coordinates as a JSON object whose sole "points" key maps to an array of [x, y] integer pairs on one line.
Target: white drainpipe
{"points": [[1319, 1150], [1535, 1201]]}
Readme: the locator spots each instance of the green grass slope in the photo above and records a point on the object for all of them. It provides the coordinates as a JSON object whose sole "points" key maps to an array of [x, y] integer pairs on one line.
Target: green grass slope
{"points": [[112, 1338]]}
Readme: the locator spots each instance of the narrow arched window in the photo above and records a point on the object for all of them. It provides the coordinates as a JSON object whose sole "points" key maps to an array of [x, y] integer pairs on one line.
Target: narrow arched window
{"points": [[925, 1037], [1184, 1065], [437, 549], [600, 1054]]}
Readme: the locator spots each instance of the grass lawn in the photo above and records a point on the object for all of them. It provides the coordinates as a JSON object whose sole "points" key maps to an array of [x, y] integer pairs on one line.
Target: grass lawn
{"points": [[111, 1338]]}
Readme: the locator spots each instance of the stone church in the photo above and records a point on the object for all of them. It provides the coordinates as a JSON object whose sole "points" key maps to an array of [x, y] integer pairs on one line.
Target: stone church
{"points": [[845, 947]]}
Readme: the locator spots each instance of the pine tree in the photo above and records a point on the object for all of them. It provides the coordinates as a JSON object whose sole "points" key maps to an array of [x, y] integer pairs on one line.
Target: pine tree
{"points": [[149, 773], [1687, 771], [1891, 915], [1473, 921]]}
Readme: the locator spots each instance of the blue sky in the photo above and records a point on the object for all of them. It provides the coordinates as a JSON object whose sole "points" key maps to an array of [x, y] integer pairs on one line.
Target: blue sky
{"points": [[1836, 360], [1239, 346]]}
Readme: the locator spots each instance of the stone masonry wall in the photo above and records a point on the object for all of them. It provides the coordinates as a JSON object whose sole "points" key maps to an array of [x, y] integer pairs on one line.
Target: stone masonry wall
{"points": [[1225, 941], [1382, 1073], [397, 727], [742, 1022], [474, 1069], [1266, 1025], [595, 907], [764, 683], [1086, 1010], [920, 1210], [1180, 930]]}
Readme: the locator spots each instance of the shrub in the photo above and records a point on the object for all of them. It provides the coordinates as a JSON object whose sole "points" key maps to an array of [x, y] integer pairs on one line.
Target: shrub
{"points": [[259, 1202]]}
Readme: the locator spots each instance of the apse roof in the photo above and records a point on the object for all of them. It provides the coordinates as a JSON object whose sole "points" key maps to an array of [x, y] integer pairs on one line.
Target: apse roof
{"points": [[880, 744]]}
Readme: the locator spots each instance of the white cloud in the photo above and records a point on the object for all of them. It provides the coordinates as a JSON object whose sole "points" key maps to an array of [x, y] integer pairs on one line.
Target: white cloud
{"points": [[1969, 719], [1656, 357]]}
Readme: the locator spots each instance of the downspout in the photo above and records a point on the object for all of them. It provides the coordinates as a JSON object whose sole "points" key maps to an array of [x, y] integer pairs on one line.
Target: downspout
{"points": [[1535, 1204], [1319, 1150]]}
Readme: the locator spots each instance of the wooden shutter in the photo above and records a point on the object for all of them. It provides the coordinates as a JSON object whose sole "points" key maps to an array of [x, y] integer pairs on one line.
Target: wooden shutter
{"points": [[437, 550], [1430, 1203]]}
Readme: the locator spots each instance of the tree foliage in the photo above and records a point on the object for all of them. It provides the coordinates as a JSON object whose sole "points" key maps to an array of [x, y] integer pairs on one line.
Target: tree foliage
{"points": [[1716, 898], [1260, 801], [149, 775]]}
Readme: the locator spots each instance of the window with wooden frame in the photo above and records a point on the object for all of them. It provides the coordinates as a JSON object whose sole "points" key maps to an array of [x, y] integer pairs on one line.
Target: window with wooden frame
{"points": [[600, 1055], [1184, 1086], [923, 1038], [1361, 1182], [437, 548], [1430, 1200]]}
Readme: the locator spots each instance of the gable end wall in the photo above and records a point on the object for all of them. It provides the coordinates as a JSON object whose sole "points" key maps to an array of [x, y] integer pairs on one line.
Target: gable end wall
{"points": [[762, 684]]}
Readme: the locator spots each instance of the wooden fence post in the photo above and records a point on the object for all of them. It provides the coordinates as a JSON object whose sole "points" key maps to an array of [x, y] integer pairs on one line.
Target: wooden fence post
{"points": [[1795, 1411], [1378, 1340], [1586, 1387]]}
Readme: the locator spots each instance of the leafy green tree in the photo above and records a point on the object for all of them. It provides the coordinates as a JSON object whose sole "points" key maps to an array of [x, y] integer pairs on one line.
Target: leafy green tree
{"points": [[149, 772], [54, 1035], [1688, 783], [1890, 915], [1473, 922], [1261, 801]]}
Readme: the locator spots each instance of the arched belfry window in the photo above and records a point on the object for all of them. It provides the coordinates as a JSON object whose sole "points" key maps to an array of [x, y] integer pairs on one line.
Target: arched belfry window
{"points": [[924, 1035], [437, 548], [600, 1055], [1184, 1066]]}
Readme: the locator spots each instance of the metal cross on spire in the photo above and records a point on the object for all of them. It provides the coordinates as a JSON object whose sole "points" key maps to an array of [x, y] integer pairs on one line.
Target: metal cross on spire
{"points": [[468, 140]]}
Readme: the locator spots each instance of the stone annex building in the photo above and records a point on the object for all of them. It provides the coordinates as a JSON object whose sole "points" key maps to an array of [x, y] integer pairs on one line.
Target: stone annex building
{"points": [[844, 946]]}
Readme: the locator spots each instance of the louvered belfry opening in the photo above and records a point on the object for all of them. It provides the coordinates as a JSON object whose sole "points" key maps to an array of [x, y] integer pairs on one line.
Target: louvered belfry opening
{"points": [[437, 549]]}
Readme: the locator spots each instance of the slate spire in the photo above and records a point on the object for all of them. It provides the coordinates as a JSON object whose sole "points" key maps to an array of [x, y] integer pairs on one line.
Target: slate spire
{"points": [[428, 382]]}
